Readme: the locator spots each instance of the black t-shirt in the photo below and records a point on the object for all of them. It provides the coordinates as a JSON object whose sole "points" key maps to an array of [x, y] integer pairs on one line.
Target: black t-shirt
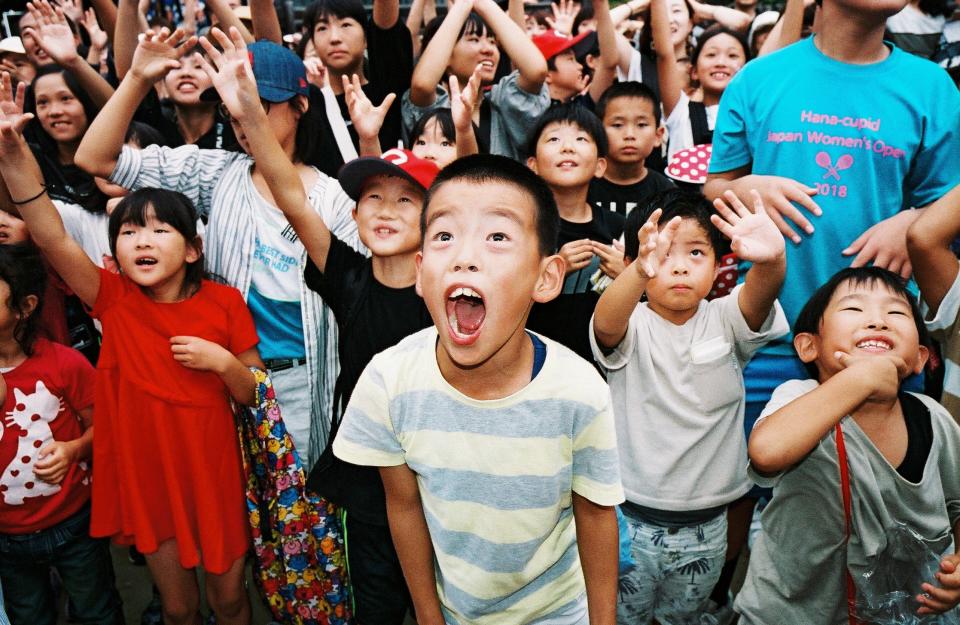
{"points": [[370, 318], [390, 69], [623, 198], [68, 183], [919, 438], [162, 116], [566, 319]]}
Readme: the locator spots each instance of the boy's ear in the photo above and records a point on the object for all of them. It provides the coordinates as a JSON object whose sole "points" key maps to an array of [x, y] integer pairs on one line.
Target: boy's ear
{"points": [[659, 141], [807, 346], [601, 167], [532, 164], [550, 281], [418, 259], [922, 357]]}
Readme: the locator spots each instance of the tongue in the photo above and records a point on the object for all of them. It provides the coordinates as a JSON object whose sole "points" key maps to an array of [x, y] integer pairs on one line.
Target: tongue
{"points": [[470, 314]]}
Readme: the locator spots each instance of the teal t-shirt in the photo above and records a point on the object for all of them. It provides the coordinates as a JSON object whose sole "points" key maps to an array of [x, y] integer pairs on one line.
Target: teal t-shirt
{"points": [[874, 139]]}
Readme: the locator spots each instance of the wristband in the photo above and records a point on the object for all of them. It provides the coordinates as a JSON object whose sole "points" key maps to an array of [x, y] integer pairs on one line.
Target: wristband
{"points": [[43, 189]]}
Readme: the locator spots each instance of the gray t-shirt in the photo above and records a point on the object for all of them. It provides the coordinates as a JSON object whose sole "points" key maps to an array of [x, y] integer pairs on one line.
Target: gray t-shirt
{"points": [[796, 574], [678, 403], [513, 112]]}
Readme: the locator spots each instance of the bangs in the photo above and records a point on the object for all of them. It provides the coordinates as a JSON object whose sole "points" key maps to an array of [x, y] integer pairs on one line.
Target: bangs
{"points": [[169, 207], [475, 26]]}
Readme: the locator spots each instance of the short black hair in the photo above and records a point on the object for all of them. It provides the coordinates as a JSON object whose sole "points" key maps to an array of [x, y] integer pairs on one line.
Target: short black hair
{"points": [[585, 13], [445, 120], [143, 135], [172, 208], [474, 24], [487, 168], [713, 31], [675, 203], [628, 89], [21, 267], [811, 315], [324, 9], [575, 115]]}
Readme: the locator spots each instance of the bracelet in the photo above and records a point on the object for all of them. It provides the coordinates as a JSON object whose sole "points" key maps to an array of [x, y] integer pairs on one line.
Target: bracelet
{"points": [[43, 190]]}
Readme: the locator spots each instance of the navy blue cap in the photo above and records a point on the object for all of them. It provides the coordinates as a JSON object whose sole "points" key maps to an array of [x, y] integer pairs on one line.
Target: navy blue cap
{"points": [[280, 74]]}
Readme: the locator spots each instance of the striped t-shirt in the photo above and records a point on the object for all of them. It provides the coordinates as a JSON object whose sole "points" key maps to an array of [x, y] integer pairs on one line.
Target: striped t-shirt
{"points": [[944, 327], [496, 477]]}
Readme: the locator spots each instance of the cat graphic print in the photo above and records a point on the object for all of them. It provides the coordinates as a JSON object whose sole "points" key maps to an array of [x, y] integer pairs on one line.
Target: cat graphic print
{"points": [[31, 415]]}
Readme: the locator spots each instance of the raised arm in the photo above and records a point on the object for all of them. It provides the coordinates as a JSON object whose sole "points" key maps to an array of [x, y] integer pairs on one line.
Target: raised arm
{"points": [[366, 118], [55, 37], [669, 73], [386, 13], [126, 31], [107, 14], [606, 70], [622, 12], [411, 537], [754, 238], [228, 19], [462, 103], [18, 168], [155, 56], [611, 318], [513, 39], [725, 16], [787, 30], [435, 58], [266, 23], [232, 76], [928, 241]]}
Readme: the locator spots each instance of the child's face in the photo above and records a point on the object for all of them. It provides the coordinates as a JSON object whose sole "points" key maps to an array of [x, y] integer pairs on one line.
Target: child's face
{"points": [[155, 255], [13, 230], [480, 269], [567, 80], [566, 156], [631, 128], [685, 276], [59, 111], [680, 24], [388, 215], [471, 50], [863, 320], [721, 57], [340, 42], [433, 146], [186, 83]]}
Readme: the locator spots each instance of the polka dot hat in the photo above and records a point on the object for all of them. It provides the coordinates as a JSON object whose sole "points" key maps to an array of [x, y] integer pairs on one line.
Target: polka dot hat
{"points": [[691, 165]]}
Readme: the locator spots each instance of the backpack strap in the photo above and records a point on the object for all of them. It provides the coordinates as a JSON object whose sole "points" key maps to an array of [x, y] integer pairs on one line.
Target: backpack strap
{"points": [[848, 521], [699, 124]]}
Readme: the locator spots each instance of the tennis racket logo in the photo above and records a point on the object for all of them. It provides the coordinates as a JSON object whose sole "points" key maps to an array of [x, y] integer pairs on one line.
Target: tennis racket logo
{"points": [[833, 170]]}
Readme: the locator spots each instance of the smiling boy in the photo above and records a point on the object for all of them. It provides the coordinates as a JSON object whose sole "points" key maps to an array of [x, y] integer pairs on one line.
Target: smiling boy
{"points": [[491, 439]]}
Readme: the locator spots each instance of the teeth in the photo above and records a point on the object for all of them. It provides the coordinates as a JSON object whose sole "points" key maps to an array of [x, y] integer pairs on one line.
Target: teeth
{"points": [[873, 344], [464, 291]]}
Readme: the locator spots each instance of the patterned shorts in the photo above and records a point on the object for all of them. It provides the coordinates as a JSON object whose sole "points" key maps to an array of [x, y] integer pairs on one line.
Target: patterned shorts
{"points": [[676, 569]]}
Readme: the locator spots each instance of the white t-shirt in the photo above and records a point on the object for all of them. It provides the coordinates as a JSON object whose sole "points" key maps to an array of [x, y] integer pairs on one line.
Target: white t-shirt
{"points": [[678, 402], [679, 131], [88, 229]]}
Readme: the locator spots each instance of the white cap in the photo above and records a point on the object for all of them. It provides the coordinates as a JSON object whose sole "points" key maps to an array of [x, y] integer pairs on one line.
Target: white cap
{"points": [[12, 44], [767, 19]]}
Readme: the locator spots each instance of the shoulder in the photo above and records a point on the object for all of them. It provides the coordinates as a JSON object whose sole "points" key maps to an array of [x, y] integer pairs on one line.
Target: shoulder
{"points": [[786, 393], [406, 360], [67, 358], [937, 83], [567, 376], [223, 294]]}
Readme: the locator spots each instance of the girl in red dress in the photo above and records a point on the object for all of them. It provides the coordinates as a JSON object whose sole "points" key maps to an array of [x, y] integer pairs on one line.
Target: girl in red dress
{"points": [[167, 470]]}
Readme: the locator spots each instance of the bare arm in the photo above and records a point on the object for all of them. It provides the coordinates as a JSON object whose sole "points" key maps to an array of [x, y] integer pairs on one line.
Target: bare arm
{"points": [[622, 13], [107, 15], [386, 13], [461, 109], [233, 79], [606, 70], [415, 21], [126, 30], [526, 57], [668, 72], [725, 16], [228, 19], [434, 59], [202, 355], [515, 11], [598, 544], [787, 30], [411, 537], [928, 241], [266, 23]]}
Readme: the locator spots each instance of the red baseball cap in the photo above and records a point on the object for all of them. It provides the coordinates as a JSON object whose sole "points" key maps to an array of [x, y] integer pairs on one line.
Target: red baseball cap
{"points": [[552, 43], [395, 162]]}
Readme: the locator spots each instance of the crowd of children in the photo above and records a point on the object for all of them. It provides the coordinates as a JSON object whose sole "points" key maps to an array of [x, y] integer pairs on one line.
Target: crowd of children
{"points": [[466, 265]]}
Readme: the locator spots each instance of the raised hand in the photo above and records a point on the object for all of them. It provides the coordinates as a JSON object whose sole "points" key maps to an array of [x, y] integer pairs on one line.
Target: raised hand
{"points": [[98, 38], [72, 9], [230, 71], [12, 118], [52, 33], [367, 119], [753, 235], [655, 244], [158, 53], [462, 102], [564, 14]]}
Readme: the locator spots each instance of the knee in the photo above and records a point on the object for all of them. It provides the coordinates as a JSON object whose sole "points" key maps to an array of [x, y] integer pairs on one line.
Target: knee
{"points": [[229, 602], [180, 611]]}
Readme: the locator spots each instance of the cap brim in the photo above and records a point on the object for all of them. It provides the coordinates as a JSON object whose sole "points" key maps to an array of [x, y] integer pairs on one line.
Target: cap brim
{"points": [[354, 173]]}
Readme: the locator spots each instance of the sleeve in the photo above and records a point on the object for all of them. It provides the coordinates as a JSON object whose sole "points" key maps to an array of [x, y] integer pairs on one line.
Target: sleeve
{"points": [[596, 465], [731, 148], [336, 210], [934, 169], [88, 229], [782, 395], [948, 457], [243, 332], [518, 109], [187, 169], [611, 360], [332, 284], [78, 377], [112, 287], [746, 340], [391, 54], [366, 436], [943, 325]]}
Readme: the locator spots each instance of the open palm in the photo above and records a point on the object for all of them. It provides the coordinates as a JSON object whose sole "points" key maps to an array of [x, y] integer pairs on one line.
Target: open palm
{"points": [[159, 52], [753, 235], [52, 32], [230, 71]]}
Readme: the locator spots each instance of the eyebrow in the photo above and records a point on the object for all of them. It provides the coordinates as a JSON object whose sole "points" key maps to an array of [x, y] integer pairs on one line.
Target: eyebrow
{"points": [[506, 213], [435, 216], [889, 299]]}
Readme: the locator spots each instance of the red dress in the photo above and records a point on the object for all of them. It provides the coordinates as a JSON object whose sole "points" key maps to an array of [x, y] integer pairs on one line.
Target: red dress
{"points": [[166, 456]]}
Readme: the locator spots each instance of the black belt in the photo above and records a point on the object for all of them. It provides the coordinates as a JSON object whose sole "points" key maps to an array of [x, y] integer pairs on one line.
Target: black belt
{"points": [[281, 364]]}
